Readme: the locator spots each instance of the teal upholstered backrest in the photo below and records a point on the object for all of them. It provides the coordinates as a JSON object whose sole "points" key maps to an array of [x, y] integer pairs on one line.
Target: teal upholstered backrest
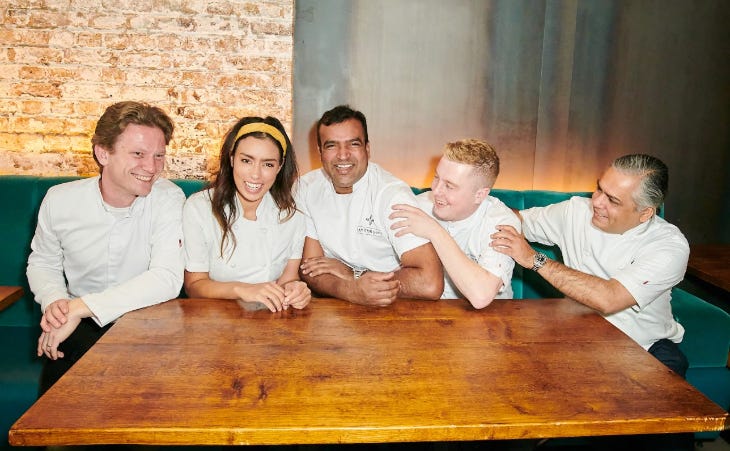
{"points": [[527, 284], [534, 285], [512, 198], [697, 315], [19, 205], [20, 199], [190, 186]]}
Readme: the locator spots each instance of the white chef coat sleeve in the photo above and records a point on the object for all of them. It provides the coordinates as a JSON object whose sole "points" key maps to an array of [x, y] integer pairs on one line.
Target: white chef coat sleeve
{"points": [[163, 280], [45, 263]]}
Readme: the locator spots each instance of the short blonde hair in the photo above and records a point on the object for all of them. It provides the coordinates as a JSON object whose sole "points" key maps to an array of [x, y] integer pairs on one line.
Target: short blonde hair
{"points": [[477, 153]]}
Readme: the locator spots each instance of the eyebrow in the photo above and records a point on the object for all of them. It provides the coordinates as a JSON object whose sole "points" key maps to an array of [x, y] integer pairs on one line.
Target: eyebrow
{"points": [[610, 196], [445, 180], [348, 140], [251, 157]]}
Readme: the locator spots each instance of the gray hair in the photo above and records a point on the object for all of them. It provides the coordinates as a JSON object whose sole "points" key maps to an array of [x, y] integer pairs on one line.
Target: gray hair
{"points": [[654, 178]]}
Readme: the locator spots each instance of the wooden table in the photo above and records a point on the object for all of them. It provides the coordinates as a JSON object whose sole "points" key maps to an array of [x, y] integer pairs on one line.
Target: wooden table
{"points": [[711, 263], [210, 372], [8, 295]]}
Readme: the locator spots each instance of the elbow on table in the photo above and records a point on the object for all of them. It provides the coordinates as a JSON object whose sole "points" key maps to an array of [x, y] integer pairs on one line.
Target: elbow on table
{"points": [[606, 309], [615, 300], [193, 288], [482, 297], [479, 302], [605, 305], [431, 289], [168, 284]]}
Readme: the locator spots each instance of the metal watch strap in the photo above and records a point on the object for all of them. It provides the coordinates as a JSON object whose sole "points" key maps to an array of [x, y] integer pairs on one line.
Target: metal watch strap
{"points": [[539, 261]]}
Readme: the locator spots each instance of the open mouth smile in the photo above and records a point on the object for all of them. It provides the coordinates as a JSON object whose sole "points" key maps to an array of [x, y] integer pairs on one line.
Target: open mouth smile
{"points": [[143, 178], [344, 167]]}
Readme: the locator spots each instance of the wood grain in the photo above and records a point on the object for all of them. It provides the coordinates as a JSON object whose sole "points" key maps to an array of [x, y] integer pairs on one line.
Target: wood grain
{"points": [[8, 296], [209, 372], [711, 263]]}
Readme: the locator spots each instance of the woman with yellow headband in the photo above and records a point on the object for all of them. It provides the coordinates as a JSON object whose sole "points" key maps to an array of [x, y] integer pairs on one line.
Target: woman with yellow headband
{"points": [[244, 235]]}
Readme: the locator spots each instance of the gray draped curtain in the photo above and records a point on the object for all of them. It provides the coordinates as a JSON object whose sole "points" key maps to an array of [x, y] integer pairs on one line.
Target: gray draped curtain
{"points": [[559, 87]]}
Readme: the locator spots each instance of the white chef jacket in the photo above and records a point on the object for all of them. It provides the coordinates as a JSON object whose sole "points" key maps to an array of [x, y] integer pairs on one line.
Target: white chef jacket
{"points": [[115, 263], [263, 247], [647, 260], [354, 228], [472, 235]]}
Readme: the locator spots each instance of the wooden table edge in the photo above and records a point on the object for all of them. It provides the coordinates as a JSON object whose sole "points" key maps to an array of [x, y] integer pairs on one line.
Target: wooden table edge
{"points": [[8, 295], [358, 435], [698, 272]]}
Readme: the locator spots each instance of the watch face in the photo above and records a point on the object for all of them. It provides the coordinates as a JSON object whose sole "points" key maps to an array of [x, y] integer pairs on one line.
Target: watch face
{"points": [[539, 261]]}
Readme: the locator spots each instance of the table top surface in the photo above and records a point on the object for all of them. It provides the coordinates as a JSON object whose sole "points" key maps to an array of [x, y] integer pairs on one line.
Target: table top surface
{"points": [[8, 295], [198, 371], [710, 263]]}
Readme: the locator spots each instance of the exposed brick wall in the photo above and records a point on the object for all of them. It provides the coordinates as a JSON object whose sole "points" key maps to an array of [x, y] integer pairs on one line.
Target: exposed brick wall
{"points": [[206, 63]]}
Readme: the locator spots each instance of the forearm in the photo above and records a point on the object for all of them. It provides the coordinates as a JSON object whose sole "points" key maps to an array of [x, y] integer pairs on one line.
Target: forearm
{"points": [[212, 289], [605, 296], [290, 273], [149, 288], [416, 284], [477, 284], [163, 277], [328, 285], [421, 275], [79, 309]]}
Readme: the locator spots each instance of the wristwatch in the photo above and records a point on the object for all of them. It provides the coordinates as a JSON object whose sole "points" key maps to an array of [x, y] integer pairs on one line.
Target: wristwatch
{"points": [[538, 261]]}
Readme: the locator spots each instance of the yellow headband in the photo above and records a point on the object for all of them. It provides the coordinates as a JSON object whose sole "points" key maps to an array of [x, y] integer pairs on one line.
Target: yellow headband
{"points": [[265, 128]]}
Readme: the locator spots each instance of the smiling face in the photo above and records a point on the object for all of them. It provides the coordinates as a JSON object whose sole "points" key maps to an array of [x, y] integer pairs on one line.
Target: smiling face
{"points": [[456, 190], [255, 165], [344, 153], [614, 209], [132, 166]]}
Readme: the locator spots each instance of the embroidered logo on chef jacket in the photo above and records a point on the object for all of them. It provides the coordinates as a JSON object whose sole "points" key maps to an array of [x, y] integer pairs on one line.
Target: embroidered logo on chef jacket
{"points": [[369, 229]]}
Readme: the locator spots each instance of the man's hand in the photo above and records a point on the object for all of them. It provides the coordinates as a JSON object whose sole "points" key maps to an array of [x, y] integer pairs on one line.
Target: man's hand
{"points": [[413, 220], [296, 294], [376, 288], [268, 293], [49, 341], [55, 315], [316, 266], [507, 240]]}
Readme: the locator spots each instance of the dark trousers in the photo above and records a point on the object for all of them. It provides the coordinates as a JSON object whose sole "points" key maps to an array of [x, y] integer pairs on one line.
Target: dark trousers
{"points": [[86, 334], [668, 352]]}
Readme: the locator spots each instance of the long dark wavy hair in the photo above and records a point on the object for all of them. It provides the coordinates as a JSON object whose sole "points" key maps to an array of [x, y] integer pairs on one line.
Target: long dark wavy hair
{"points": [[223, 199]]}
